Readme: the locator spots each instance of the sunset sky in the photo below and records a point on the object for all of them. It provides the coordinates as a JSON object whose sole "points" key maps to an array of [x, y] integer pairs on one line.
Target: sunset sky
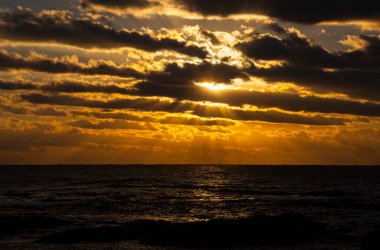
{"points": [[189, 81]]}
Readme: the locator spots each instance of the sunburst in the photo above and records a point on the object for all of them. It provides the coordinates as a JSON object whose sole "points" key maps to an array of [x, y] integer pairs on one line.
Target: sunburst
{"points": [[212, 86]]}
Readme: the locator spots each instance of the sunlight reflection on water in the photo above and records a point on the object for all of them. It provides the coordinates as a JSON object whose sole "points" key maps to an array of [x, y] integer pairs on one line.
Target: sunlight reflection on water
{"points": [[192, 193]]}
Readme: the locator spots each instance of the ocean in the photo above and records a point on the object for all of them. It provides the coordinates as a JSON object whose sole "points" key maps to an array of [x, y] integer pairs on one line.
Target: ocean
{"points": [[166, 207]]}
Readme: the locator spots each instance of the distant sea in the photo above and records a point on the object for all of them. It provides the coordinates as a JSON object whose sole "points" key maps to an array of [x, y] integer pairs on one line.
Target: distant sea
{"points": [[126, 207]]}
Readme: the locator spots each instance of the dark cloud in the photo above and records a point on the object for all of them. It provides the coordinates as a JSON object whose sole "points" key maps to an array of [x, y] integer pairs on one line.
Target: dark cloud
{"points": [[180, 107], [104, 115], [116, 124], [310, 11], [40, 111], [48, 111], [178, 82], [173, 74], [16, 85], [77, 87], [354, 73], [178, 120], [355, 83], [146, 125], [269, 116], [299, 50], [181, 87], [284, 101], [136, 104], [293, 48], [307, 64], [64, 87], [51, 65], [14, 110], [62, 27], [213, 39], [111, 115], [195, 121], [273, 26], [37, 137]]}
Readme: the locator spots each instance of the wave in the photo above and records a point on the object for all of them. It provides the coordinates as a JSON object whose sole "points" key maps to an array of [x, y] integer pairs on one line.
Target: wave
{"points": [[11, 225], [286, 229]]}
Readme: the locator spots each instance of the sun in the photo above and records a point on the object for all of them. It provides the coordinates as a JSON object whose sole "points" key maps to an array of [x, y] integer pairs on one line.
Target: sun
{"points": [[211, 86]]}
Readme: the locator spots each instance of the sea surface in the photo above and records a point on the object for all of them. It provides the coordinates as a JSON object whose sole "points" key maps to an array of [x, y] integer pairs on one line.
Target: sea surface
{"points": [[37, 201]]}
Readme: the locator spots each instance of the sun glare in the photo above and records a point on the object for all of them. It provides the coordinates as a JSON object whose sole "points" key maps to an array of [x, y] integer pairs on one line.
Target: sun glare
{"points": [[211, 86]]}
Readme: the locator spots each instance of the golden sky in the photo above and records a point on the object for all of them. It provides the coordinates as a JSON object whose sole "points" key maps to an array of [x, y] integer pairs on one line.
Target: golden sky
{"points": [[189, 81]]}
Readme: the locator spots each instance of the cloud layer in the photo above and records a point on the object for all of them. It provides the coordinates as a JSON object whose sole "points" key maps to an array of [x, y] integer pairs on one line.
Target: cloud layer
{"points": [[312, 11], [178, 81], [62, 27]]}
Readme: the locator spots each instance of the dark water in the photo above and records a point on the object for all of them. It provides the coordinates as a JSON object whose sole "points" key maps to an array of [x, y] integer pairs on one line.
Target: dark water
{"points": [[346, 200]]}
